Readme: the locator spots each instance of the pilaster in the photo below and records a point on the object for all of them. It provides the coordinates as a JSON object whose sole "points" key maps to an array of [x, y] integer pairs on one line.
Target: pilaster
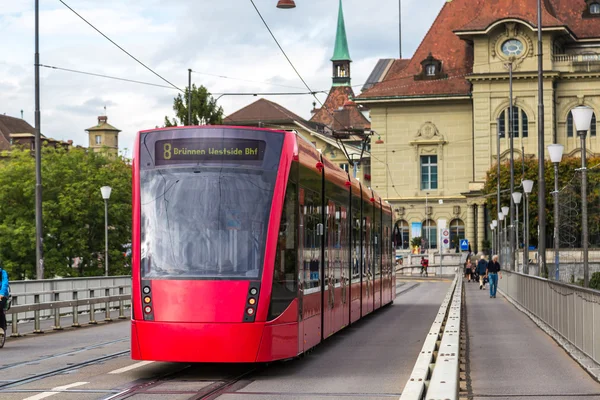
{"points": [[480, 226], [470, 222]]}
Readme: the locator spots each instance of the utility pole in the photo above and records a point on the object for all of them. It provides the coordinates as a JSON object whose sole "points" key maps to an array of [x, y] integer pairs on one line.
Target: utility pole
{"points": [[189, 97], [499, 246], [511, 131], [541, 151], [400, 27], [39, 250]]}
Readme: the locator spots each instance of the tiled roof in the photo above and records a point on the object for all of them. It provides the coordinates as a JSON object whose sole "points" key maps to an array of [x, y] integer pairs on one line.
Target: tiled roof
{"points": [[525, 10], [339, 113], [445, 46], [10, 125], [262, 110], [455, 55]]}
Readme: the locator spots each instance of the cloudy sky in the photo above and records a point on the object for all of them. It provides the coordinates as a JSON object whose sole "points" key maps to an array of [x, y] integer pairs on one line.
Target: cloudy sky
{"points": [[213, 38]]}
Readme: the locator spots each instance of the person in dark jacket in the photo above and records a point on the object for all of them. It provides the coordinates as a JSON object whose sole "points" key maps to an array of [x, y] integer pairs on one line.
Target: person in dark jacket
{"points": [[493, 269], [481, 269], [3, 299]]}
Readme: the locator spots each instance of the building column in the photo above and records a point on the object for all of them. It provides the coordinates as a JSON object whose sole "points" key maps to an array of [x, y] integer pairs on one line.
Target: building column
{"points": [[480, 227], [471, 224]]}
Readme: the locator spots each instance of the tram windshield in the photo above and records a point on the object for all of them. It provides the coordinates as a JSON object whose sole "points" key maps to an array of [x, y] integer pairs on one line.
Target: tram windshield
{"points": [[204, 222]]}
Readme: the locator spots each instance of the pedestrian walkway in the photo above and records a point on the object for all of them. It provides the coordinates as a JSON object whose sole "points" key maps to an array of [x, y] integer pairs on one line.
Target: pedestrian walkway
{"points": [[509, 357]]}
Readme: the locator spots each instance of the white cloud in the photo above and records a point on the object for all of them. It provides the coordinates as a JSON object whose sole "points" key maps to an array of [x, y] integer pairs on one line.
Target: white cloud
{"points": [[225, 38]]}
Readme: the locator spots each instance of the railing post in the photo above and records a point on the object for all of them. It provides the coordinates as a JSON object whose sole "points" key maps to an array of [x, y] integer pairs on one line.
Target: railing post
{"points": [[75, 312], [121, 312], [36, 313], [92, 309], [15, 320], [107, 306], [57, 326]]}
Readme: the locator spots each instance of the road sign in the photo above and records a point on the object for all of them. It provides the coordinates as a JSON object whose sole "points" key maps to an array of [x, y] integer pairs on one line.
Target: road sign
{"points": [[464, 245], [445, 238]]}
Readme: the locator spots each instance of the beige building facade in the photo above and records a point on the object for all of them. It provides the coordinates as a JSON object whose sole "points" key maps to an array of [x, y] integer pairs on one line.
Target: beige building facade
{"points": [[440, 112]]}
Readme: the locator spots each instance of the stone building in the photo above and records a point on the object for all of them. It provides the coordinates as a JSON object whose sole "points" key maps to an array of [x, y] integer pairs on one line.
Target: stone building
{"points": [[104, 137], [18, 132], [439, 112]]}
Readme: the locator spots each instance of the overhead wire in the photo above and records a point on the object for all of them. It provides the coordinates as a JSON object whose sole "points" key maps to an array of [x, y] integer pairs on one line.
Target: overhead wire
{"points": [[120, 48]]}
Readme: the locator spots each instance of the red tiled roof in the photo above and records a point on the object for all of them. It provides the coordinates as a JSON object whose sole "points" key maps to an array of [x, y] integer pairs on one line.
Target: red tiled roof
{"points": [[338, 113], [262, 110], [444, 45], [525, 10], [570, 12], [455, 54], [10, 125]]}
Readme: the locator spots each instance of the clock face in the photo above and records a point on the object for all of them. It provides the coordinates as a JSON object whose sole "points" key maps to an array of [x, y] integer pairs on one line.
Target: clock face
{"points": [[512, 47]]}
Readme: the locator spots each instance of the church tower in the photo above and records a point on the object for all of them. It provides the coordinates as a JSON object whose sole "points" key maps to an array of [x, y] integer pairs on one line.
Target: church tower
{"points": [[341, 55], [104, 135]]}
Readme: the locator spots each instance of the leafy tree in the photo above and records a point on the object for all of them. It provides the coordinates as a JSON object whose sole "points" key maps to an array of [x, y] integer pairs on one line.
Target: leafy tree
{"points": [[73, 212], [204, 108]]}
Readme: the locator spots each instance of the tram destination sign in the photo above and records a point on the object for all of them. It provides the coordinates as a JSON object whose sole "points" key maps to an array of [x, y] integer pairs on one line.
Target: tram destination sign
{"points": [[194, 150]]}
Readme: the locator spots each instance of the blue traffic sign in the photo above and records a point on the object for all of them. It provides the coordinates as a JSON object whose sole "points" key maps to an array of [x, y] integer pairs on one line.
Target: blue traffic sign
{"points": [[464, 245]]}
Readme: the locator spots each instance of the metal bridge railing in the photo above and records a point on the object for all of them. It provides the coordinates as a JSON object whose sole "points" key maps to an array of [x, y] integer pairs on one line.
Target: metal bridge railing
{"points": [[571, 311], [54, 298]]}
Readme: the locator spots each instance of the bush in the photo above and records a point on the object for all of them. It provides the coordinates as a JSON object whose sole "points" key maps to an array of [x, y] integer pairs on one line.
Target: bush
{"points": [[595, 281]]}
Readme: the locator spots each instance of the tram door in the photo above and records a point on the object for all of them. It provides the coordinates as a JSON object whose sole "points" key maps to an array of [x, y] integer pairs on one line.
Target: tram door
{"points": [[377, 284], [329, 273], [367, 273]]}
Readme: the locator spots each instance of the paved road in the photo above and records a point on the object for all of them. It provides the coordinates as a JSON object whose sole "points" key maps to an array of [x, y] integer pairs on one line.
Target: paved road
{"points": [[511, 358], [370, 360]]}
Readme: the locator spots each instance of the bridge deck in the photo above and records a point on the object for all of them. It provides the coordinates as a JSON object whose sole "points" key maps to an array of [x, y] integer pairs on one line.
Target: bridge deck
{"points": [[509, 357]]}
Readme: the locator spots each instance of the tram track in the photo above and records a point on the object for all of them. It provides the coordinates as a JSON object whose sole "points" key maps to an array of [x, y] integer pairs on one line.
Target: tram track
{"points": [[44, 375], [64, 354]]}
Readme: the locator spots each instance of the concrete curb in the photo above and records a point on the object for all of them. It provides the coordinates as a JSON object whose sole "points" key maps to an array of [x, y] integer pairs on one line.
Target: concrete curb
{"points": [[588, 364]]}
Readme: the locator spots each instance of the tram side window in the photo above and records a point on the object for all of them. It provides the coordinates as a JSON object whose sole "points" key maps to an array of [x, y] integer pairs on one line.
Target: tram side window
{"points": [[285, 274], [312, 241]]}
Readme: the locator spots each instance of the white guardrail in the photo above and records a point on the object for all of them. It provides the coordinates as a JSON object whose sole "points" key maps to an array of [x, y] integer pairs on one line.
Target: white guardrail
{"points": [[436, 372]]}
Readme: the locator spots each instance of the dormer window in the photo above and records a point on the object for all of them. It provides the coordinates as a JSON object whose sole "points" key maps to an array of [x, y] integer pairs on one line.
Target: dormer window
{"points": [[592, 9], [431, 69]]}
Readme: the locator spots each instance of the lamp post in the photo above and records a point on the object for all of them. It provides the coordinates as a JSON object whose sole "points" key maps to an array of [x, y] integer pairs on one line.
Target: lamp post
{"points": [[494, 247], [39, 247], [556, 152], [500, 235], [511, 133], [516, 196], [286, 4], [527, 188], [505, 211], [541, 148], [582, 118], [106, 195]]}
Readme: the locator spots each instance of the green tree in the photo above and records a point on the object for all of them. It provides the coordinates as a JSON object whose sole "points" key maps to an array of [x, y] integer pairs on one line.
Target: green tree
{"points": [[204, 108], [73, 212]]}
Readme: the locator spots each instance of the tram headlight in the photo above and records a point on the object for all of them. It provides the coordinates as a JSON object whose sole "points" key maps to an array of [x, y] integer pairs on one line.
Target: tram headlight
{"points": [[250, 311], [253, 291], [252, 301], [147, 299], [148, 309], [146, 289]]}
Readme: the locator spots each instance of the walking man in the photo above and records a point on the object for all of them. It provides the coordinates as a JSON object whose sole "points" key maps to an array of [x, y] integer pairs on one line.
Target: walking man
{"points": [[424, 265], [481, 269], [493, 269]]}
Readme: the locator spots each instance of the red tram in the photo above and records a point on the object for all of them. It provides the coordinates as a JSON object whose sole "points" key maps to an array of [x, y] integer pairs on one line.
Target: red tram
{"points": [[249, 246]]}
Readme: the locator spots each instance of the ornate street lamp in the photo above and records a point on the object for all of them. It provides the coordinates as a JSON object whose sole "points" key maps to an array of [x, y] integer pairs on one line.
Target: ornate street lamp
{"points": [[556, 152], [527, 188], [500, 235], [582, 117], [517, 200], [106, 195]]}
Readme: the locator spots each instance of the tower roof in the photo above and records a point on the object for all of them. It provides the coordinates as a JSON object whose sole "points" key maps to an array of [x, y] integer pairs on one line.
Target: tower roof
{"points": [[103, 125], [341, 52]]}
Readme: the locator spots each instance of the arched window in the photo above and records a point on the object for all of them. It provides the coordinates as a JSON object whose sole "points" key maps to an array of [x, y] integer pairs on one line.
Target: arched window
{"points": [[520, 123], [457, 230], [429, 233], [595, 8], [401, 235], [571, 126]]}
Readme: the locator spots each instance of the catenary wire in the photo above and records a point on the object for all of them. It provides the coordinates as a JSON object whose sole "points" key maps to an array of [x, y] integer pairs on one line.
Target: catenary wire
{"points": [[122, 49]]}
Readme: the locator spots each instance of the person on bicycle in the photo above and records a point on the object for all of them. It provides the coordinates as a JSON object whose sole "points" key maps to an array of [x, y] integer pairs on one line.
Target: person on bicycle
{"points": [[3, 299]]}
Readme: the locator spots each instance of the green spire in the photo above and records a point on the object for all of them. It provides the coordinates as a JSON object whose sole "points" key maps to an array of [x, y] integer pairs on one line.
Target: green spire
{"points": [[341, 53]]}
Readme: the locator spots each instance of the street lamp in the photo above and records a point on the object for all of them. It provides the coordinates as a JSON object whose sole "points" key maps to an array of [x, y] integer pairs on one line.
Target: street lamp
{"points": [[505, 211], [556, 152], [500, 235], [582, 117], [517, 200], [494, 225], [286, 4], [106, 195], [527, 188]]}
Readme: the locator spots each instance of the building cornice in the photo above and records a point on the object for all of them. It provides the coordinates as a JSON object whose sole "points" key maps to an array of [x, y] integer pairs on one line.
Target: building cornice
{"points": [[396, 99], [497, 76]]}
